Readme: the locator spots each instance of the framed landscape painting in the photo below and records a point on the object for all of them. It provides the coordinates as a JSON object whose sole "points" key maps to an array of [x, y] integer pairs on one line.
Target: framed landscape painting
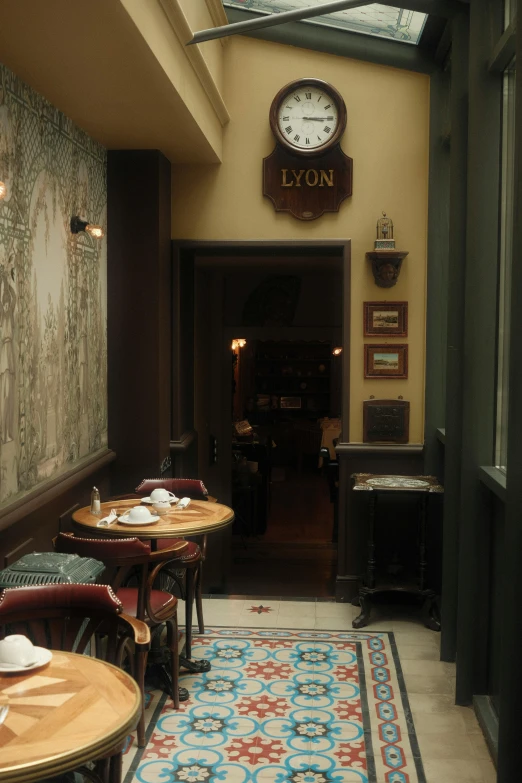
{"points": [[386, 318], [385, 361]]}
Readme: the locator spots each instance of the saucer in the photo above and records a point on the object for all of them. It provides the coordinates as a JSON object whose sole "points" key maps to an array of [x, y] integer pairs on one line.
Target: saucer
{"points": [[126, 521], [43, 657], [150, 502]]}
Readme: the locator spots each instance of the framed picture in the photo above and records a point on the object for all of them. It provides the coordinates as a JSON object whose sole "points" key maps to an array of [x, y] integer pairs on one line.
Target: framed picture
{"points": [[290, 402], [385, 361], [386, 318]]}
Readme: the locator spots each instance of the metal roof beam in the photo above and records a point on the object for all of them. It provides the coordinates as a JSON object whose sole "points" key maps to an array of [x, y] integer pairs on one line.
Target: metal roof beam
{"points": [[271, 20], [445, 8]]}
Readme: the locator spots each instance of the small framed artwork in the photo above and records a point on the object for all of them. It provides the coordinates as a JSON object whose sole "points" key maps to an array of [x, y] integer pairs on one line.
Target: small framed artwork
{"points": [[385, 361], [386, 318]]}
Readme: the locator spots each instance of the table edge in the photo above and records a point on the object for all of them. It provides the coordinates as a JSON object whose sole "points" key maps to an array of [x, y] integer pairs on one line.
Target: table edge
{"points": [[30, 773], [131, 532]]}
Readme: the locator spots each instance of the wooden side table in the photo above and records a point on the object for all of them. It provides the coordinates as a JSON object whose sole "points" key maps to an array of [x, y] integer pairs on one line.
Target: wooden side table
{"points": [[373, 584]]}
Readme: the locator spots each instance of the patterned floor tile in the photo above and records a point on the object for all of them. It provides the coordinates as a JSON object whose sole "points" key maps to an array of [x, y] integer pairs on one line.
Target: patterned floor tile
{"points": [[285, 706]]}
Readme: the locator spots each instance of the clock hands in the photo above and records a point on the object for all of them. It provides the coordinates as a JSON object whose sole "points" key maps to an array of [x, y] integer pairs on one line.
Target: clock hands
{"points": [[316, 119]]}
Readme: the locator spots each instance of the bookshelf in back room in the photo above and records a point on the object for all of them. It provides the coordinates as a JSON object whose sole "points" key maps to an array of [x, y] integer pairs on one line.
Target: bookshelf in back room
{"points": [[292, 380]]}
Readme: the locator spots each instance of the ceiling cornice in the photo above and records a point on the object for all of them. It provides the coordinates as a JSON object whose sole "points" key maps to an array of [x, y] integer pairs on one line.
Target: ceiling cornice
{"points": [[218, 16], [179, 23]]}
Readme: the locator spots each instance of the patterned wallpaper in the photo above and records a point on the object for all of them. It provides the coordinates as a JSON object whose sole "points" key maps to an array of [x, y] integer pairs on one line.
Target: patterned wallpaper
{"points": [[53, 303]]}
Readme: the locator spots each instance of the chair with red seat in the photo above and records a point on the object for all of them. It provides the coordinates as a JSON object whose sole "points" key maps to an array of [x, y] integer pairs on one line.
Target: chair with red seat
{"points": [[195, 490], [152, 606], [67, 617]]}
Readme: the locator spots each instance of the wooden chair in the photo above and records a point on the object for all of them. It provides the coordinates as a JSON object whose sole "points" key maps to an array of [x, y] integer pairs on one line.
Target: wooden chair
{"points": [[66, 617], [196, 490], [144, 602]]}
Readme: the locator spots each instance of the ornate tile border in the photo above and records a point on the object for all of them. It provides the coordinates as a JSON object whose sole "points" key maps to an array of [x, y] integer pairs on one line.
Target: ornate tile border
{"points": [[286, 706]]}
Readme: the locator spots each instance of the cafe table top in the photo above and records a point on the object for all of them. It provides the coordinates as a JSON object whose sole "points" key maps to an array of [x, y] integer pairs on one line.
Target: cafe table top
{"points": [[200, 517], [73, 710]]}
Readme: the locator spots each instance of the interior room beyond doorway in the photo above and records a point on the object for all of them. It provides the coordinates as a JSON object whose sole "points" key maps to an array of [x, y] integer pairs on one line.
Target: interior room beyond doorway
{"points": [[282, 324]]}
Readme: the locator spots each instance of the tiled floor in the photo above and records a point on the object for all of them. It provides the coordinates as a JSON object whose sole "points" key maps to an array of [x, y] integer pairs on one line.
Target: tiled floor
{"points": [[451, 744]]}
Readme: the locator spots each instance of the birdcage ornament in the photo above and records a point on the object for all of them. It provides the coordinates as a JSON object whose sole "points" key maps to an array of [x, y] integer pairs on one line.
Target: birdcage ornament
{"points": [[385, 240], [386, 261]]}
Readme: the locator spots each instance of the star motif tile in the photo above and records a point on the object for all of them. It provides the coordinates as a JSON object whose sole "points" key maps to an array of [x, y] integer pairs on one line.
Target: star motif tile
{"points": [[260, 609]]}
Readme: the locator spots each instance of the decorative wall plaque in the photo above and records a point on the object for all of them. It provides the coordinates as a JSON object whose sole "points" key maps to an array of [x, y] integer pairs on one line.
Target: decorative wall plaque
{"points": [[307, 189], [386, 421], [307, 174]]}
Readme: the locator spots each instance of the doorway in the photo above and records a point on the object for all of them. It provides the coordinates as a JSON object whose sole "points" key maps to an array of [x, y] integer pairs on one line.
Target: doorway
{"points": [[267, 386]]}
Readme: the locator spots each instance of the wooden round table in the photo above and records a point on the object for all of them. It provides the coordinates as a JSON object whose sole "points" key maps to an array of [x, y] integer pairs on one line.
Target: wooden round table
{"points": [[73, 710], [199, 518]]}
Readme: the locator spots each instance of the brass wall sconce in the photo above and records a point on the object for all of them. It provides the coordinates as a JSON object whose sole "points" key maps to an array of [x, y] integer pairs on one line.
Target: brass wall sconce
{"points": [[337, 351], [78, 225], [240, 342]]}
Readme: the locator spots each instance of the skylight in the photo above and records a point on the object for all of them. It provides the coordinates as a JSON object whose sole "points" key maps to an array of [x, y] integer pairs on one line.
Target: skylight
{"points": [[376, 19]]}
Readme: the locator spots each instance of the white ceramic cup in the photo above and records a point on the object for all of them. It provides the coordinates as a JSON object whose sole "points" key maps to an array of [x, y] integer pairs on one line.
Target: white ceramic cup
{"points": [[139, 514], [18, 650], [161, 507], [162, 495]]}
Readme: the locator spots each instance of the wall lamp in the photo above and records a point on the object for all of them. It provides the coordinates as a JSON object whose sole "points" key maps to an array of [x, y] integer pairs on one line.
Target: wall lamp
{"points": [[238, 343], [337, 351], [78, 225], [3, 190]]}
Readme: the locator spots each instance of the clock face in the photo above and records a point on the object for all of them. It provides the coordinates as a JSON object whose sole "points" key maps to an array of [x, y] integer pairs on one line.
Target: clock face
{"points": [[309, 116]]}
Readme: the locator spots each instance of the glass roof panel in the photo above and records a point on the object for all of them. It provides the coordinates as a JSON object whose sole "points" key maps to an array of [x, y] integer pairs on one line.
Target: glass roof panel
{"points": [[374, 19]]}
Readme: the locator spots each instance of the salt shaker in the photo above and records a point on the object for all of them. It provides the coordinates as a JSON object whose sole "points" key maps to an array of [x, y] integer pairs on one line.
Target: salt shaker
{"points": [[95, 502]]}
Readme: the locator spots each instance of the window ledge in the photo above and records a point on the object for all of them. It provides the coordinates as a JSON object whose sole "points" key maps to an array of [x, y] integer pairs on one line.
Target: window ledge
{"points": [[495, 480]]}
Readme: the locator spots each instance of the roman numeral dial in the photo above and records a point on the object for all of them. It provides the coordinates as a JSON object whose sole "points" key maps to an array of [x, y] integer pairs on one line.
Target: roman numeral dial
{"points": [[308, 115]]}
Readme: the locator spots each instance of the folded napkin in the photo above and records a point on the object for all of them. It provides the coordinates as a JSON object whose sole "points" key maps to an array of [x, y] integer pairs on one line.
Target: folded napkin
{"points": [[106, 521]]}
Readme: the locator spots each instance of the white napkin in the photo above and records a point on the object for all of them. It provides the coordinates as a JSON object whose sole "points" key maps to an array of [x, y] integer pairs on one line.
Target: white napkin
{"points": [[183, 503], [106, 521]]}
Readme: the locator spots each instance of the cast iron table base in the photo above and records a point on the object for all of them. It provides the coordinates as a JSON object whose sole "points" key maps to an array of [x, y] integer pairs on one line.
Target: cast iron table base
{"points": [[158, 666], [429, 606]]}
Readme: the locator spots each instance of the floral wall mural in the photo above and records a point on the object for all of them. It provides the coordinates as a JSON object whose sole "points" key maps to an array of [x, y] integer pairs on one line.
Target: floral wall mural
{"points": [[53, 303]]}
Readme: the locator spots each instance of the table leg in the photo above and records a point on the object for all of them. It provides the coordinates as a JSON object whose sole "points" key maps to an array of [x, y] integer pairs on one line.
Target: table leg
{"points": [[115, 768], [370, 566], [430, 613], [194, 667], [363, 617], [158, 666], [364, 599], [422, 543]]}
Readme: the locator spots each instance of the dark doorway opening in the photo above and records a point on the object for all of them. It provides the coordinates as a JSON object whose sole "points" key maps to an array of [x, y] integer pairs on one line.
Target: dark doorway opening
{"points": [[260, 406]]}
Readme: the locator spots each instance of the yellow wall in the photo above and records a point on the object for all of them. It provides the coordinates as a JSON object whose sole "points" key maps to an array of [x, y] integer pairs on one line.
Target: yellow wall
{"points": [[387, 137]]}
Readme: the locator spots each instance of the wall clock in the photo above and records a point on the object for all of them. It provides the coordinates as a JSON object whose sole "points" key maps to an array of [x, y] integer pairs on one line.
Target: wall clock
{"points": [[307, 174], [308, 116]]}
